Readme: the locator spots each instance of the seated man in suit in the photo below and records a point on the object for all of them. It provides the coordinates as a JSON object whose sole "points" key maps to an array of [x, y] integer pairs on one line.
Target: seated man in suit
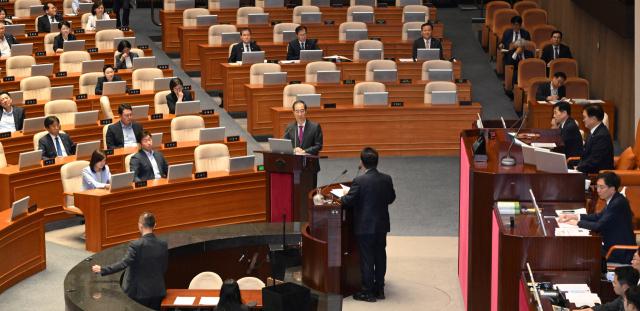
{"points": [[244, 46], [306, 136], [511, 35], [6, 40], [518, 54], [147, 163], [426, 42], [301, 43], [569, 130], [623, 279], [44, 22], [556, 49], [597, 154], [55, 144], [553, 90], [123, 133], [632, 299], [614, 222], [12, 117]]}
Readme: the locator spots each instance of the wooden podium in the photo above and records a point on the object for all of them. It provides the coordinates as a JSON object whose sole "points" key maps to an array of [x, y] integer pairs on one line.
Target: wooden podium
{"points": [[330, 258]]}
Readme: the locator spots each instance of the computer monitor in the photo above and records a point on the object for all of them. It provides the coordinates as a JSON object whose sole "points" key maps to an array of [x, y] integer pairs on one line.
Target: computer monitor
{"points": [[413, 34], [162, 84], [114, 88], [86, 149], [414, 17], [376, 98], [229, 37], [311, 100], [551, 162], [371, 3], [329, 76], [282, 146], [364, 17], [33, 125], [229, 4], [242, 164], [92, 65], [116, 41], [206, 20], [25, 49], [444, 97], [144, 62], [156, 138], [440, 75], [187, 108], [428, 54], [311, 18], [179, 171], [86, 118], [15, 30], [273, 3], [16, 97], [213, 134], [85, 8], [385, 75], [321, 3], [104, 24], [122, 181], [252, 57], [307, 56], [36, 10], [259, 19], [62, 92], [42, 70], [288, 35], [370, 54], [30, 159], [410, 2], [185, 4], [73, 45], [140, 112], [19, 208], [274, 78], [356, 34]]}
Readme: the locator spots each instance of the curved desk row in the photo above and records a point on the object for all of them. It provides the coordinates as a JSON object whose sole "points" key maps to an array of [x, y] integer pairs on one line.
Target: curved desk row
{"points": [[38, 41]]}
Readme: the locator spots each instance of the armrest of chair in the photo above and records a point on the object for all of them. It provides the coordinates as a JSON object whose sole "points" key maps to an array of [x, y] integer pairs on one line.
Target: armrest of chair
{"points": [[623, 247], [615, 161], [572, 158], [65, 196], [508, 77]]}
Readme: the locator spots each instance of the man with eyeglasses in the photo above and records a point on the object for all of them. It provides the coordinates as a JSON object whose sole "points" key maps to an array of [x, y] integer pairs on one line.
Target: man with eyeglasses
{"points": [[123, 133], [623, 279], [614, 222], [305, 135]]}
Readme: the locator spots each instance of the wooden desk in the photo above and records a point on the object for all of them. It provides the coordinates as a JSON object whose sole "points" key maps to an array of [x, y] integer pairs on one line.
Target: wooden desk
{"points": [[30, 21], [555, 277], [540, 115], [247, 295], [22, 247], [172, 19], [11, 11], [260, 98], [236, 76], [88, 36]]}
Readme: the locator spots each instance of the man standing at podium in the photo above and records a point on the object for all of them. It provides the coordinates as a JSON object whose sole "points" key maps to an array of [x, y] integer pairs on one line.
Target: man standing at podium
{"points": [[370, 195], [305, 135]]}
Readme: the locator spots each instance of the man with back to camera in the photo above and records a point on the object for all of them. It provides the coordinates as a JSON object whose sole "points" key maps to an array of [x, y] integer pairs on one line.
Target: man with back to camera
{"points": [[597, 154], [123, 133], [300, 43], [426, 42], [614, 222], [306, 136], [556, 49], [244, 46], [147, 163], [569, 130], [55, 144], [12, 117], [370, 195], [146, 262], [50, 16], [554, 89], [623, 279]]}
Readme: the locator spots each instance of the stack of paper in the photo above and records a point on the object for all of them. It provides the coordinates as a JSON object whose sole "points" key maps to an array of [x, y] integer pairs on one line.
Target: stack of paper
{"points": [[580, 100], [339, 192], [509, 207], [572, 211], [209, 301], [572, 232], [406, 60], [583, 298], [544, 145], [184, 300], [596, 101], [573, 288]]}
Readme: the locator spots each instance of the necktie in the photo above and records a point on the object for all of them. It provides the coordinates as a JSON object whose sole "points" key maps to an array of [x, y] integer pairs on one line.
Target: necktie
{"points": [[587, 140], [302, 45], [521, 56], [301, 132], [516, 36], [428, 43], [58, 147], [556, 56], [52, 20], [246, 48]]}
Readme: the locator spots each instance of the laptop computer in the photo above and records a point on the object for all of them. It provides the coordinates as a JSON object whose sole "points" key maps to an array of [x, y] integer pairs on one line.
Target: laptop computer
{"points": [[356, 34], [179, 171], [413, 34], [156, 138], [122, 181], [73, 45], [241, 164], [86, 149], [185, 4], [62, 92], [229, 37], [114, 88], [441, 75], [85, 8], [259, 19], [162, 84], [86, 118], [42, 70], [288, 35], [116, 41], [311, 18], [444, 97], [104, 24], [22, 49], [274, 78], [229, 4], [321, 3], [414, 17], [33, 125], [551, 162], [206, 20], [311, 100], [140, 112], [15, 30], [252, 57], [16, 97], [30, 159], [144, 62], [428, 54], [19, 208], [92, 65], [307, 56], [385, 75], [376, 98], [410, 2], [187, 108], [282, 146], [366, 2], [36, 10], [273, 3], [332, 76], [213, 134], [365, 17]]}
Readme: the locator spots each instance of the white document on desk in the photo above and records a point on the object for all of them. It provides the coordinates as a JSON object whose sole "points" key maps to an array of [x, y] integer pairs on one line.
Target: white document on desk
{"points": [[596, 101], [573, 287], [184, 300], [406, 60], [572, 211], [209, 301], [544, 145], [339, 192], [564, 224]]}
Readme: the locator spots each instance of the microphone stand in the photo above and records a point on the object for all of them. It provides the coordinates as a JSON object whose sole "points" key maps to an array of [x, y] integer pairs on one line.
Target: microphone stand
{"points": [[508, 160], [325, 188]]}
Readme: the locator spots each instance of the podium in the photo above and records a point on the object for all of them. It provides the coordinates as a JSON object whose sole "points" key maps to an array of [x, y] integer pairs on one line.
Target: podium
{"points": [[330, 258]]}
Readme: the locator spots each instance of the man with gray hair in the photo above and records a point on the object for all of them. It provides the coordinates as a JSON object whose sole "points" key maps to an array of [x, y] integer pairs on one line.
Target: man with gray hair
{"points": [[518, 54]]}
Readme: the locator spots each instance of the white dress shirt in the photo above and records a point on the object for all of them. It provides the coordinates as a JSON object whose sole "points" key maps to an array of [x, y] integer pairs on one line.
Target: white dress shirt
{"points": [[129, 136], [91, 22], [64, 152], [553, 91], [7, 124], [427, 43], [5, 49], [128, 62], [515, 56], [156, 170]]}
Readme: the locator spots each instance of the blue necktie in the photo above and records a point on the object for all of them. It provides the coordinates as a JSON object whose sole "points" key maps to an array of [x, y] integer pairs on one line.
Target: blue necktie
{"points": [[517, 32], [556, 49], [302, 45], [58, 147]]}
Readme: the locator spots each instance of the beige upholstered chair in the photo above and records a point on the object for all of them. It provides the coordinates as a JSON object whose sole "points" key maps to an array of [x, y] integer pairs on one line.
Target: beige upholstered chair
{"points": [[410, 25], [367, 44], [297, 12], [342, 30], [64, 109], [160, 102], [71, 175], [143, 78], [214, 4], [127, 163], [353, 3], [104, 136], [105, 105], [257, 71], [22, 8], [249, 282], [206, 280], [366, 87], [435, 64], [20, 66], [231, 48], [189, 16], [84, 20], [72, 61], [242, 15], [605, 120], [216, 31], [38, 87], [66, 7], [37, 136], [415, 8], [48, 42], [291, 91], [169, 5], [104, 38], [358, 8], [3, 158], [278, 29], [137, 51], [186, 128], [88, 82], [311, 71], [378, 64], [438, 86], [211, 157]]}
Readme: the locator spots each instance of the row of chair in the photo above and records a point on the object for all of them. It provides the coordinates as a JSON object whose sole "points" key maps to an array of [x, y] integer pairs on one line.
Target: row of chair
{"points": [[215, 4], [499, 14], [211, 280]]}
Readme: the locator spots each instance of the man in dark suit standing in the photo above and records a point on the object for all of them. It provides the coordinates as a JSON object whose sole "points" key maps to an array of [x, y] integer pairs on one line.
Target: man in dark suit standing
{"points": [[511, 35], [597, 154], [305, 135], [12, 117], [301, 43], [426, 42], [55, 144], [123, 133], [146, 262], [244, 46], [6, 41], [556, 49], [569, 131], [614, 222], [370, 195], [147, 163], [553, 90], [44, 22], [519, 53]]}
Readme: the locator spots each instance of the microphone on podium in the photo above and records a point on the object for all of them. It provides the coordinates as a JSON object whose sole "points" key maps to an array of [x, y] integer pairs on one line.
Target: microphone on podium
{"points": [[514, 123], [285, 134], [508, 160], [359, 168], [325, 188]]}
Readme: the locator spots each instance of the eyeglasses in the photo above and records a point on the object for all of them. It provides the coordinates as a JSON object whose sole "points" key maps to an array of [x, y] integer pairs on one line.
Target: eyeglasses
{"points": [[635, 259], [299, 111], [128, 115], [602, 187]]}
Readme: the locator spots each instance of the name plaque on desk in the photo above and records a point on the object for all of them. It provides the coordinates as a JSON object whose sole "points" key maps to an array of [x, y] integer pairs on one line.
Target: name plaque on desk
{"points": [[5, 135], [295, 82], [108, 152], [461, 80], [329, 105], [106, 121], [349, 81], [397, 104], [9, 79], [41, 53], [381, 21], [92, 50], [143, 47], [49, 162], [186, 87], [78, 31], [405, 80], [30, 101], [124, 28], [162, 67], [233, 138], [200, 175], [61, 74], [32, 208], [329, 22], [81, 96], [171, 144], [139, 184], [32, 34], [207, 112], [134, 92], [157, 116]]}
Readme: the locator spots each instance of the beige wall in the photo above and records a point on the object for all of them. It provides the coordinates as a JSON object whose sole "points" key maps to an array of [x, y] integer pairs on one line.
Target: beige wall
{"points": [[609, 69]]}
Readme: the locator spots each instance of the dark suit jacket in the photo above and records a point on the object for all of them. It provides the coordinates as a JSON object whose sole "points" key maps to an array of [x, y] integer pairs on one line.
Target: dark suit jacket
{"points": [[123, 64], [11, 40], [597, 154], [527, 54], [48, 147], [571, 137], [419, 44], [115, 135], [58, 42], [293, 51], [142, 168], [547, 53], [507, 37], [370, 195], [172, 99], [616, 305], [615, 225], [18, 116], [146, 262], [242, 308], [544, 91], [236, 51], [311, 138], [44, 24], [102, 80]]}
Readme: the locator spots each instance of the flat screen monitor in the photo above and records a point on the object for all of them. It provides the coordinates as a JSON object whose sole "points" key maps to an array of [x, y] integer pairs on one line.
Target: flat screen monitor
{"points": [[356, 34], [122, 181], [187, 108], [428, 54], [15, 30], [376, 98], [185, 4], [62, 92], [86, 118], [116, 41], [414, 17], [179, 171], [73, 45], [30, 159], [114, 88], [25, 49], [364, 17], [440, 75], [86, 149], [229, 37], [370, 54], [241, 164], [140, 112], [92, 66], [144, 62], [252, 57], [214, 134], [385, 75], [444, 97], [19, 208], [332, 76], [274, 78], [259, 19], [311, 17], [42, 70], [311, 100], [282, 146], [104, 24], [33, 125], [307, 56], [162, 84], [206, 20]]}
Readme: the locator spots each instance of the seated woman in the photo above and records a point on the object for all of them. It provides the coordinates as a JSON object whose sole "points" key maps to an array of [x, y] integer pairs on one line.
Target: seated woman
{"points": [[3, 17], [124, 60], [230, 298], [109, 76], [97, 13], [96, 175], [65, 35], [176, 95]]}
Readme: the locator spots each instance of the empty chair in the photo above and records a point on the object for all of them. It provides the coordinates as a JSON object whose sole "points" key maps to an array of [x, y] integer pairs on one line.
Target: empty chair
{"points": [[533, 17], [71, 175], [577, 88], [567, 65], [488, 23], [278, 29], [366, 87], [358, 8], [211, 158], [105, 105], [186, 128], [20, 66], [367, 44], [104, 38], [410, 25], [524, 5], [214, 4], [249, 282], [169, 5], [216, 31], [378, 65], [206, 280], [84, 20], [527, 69], [64, 109], [242, 16], [48, 42], [72, 61], [38, 87], [438, 86], [22, 8], [541, 33], [435, 64], [67, 8], [311, 71], [88, 82], [291, 91], [257, 71], [160, 102], [297, 12], [501, 18], [189, 16], [143, 78], [342, 30], [416, 8], [353, 3], [3, 158]]}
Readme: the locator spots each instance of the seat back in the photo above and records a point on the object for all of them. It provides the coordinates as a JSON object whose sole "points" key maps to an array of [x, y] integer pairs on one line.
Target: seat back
{"points": [[531, 46], [186, 128], [88, 82], [127, 163], [359, 8], [231, 48], [311, 71], [22, 8], [64, 109], [206, 280], [257, 71], [291, 91], [409, 25], [530, 68], [353, 3], [524, 5], [214, 4], [20, 66], [533, 84], [435, 64], [577, 88], [366, 87], [297, 12], [66, 7], [104, 136], [416, 8], [605, 120], [211, 158], [342, 29], [48, 42], [72, 61], [541, 33], [37, 136], [105, 105], [567, 65], [189, 16], [104, 38], [278, 29], [169, 5], [378, 64], [160, 102], [438, 86], [533, 17], [491, 8], [143, 78], [367, 44], [71, 175], [38, 87], [3, 158], [242, 15], [84, 20], [543, 45], [502, 17], [216, 31], [249, 282]]}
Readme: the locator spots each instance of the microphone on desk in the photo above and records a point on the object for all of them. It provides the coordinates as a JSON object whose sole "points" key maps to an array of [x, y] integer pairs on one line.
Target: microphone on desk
{"points": [[285, 134], [325, 188], [514, 124], [359, 168], [508, 160]]}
